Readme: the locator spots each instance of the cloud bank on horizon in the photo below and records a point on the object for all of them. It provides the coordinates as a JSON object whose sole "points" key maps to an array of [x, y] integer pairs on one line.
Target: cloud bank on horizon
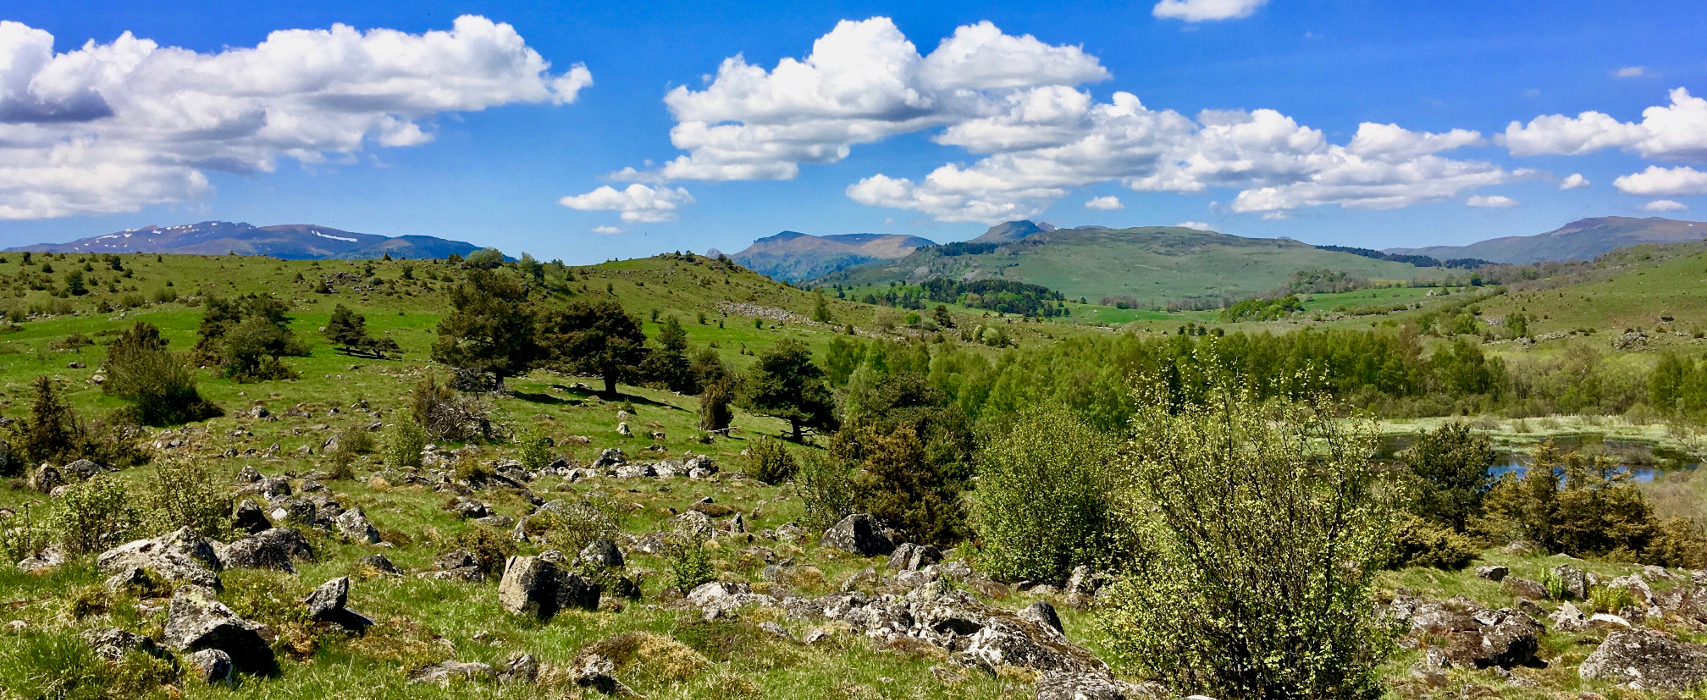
{"points": [[1020, 106], [116, 127]]}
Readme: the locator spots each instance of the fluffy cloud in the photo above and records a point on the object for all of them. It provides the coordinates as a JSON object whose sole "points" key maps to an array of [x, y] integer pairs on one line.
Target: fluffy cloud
{"points": [[1105, 204], [115, 127], [1677, 131], [1491, 202], [1664, 205], [1205, 10], [1020, 105], [1663, 182], [862, 82], [1194, 224], [607, 229], [1630, 72], [1576, 180], [638, 203]]}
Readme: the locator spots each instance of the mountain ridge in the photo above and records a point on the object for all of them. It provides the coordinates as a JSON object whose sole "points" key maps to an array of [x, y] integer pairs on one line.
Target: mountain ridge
{"points": [[1583, 239], [793, 256], [285, 241]]}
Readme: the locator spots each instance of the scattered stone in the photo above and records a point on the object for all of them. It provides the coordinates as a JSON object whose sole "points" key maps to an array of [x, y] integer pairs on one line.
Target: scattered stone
{"points": [[534, 586], [520, 668], [209, 666], [111, 644], [181, 556], [197, 621], [354, 524], [444, 673], [1574, 579], [1492, 573], [459, 565], [46, 478], [603, 554], [277, 548], [247, 475], [598, 673], [1525, 588], [1043, 613], [380, 563], [1647, 660], [1473, 636], [859, 534], [776, 629], [326, 604], [912, 557], [46, 559], [1568, 619], [81, 470], [250, 518]]}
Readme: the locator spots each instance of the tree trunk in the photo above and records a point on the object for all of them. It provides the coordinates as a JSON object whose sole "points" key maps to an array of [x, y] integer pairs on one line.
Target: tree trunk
{"points": [[795, 426], [610, 385]]}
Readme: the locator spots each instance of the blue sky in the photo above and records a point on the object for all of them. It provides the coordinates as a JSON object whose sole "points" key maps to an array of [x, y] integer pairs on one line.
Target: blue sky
{"points": [[468, 135]]}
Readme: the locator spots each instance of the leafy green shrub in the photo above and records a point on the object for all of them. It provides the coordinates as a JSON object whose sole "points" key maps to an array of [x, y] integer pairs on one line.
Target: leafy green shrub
{"points": [[183, 493], [769, 461], [826, 489], [689, 563], [534, 451], [1594, 510], [571, 528], [356, 441], [1418, 542], [93, 516], [489, 547], [1266, 528], [403, 447], [22, 536], [161, 389], [1046, 494]]}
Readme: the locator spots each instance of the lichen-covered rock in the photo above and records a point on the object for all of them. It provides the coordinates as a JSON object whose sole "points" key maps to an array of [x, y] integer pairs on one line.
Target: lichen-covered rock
{"points": [[277, 548], [445, 672], [209, 666], [602, 554], [1492, 573], [912, 557], [354, 524], [197, 620], [534, 586], [249, 518], [859, 534], [1647, 660], [110, 643], [181, 556]]}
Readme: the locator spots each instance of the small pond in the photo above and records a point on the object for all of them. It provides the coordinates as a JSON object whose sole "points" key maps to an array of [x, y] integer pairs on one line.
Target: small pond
{"points": [[1644, 460]]}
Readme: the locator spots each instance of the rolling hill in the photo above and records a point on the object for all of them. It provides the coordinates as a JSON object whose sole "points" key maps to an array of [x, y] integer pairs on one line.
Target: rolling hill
{"points": [[1579, 240], [795, 256], [1153, 265], [288, 242]]}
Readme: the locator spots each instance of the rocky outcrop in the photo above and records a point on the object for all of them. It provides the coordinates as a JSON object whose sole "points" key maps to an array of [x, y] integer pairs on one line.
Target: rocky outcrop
{"points": [[912, 557], [860, 534], [1473, 636], [197, 620], [181, 556], [326, 604], [536, 587], [354, 524], [1647, 660], [277, 548]]}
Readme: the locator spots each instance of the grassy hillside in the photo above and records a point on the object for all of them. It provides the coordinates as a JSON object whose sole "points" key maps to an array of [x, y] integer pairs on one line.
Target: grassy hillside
{"points": [[1153, 265]]}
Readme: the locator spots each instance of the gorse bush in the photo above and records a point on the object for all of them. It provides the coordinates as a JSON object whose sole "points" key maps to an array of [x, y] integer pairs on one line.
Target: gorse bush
{"points": [[183, 493], [688, 562], [1265, 528], [403, 446], [1418, 542], [534, 451], [769, 461], [826, 490], [1046, 498], [160, 387], [94, 516]]}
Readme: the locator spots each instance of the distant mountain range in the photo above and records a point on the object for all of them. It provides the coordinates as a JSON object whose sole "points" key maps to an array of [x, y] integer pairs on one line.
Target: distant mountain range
{"points": [[1579, 240], [289, 241], [793, 256], [1146, 266]]}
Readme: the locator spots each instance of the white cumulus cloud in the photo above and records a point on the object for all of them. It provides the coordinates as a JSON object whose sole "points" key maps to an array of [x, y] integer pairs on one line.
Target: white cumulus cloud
{"points": [[1574, 181], [1663, 182], [638, 203], [1495, 201], [1677, 131], [118, 126], [1205, 10], [607, 229], [1194, 224], [1104, 204], [1019, 105], [1664, 205]]}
